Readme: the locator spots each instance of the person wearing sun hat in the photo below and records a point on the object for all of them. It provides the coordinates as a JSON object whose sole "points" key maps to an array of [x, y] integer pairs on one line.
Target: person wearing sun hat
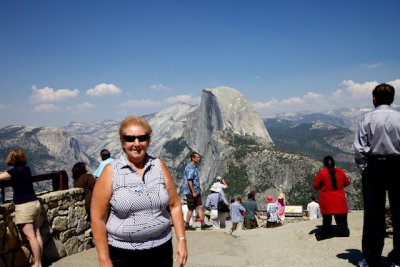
{"points": [[281, 202], [272, 213], [216, 218]]}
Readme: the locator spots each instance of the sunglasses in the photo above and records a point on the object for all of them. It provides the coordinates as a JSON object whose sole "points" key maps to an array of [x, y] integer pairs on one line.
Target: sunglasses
{"points": [[132, 138]]}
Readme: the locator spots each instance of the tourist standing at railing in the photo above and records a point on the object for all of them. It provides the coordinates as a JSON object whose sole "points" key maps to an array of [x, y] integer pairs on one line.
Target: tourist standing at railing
{"points": [[133, 203], [27, 207]]}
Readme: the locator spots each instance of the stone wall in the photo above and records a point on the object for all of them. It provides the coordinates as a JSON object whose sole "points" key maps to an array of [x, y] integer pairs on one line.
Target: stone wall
{"points": [[63, 226]]}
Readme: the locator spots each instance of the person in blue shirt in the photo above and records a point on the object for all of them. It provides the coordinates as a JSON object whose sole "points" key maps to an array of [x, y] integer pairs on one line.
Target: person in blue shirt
{"points": [[191, 189], [237, 211], [106, 158]]}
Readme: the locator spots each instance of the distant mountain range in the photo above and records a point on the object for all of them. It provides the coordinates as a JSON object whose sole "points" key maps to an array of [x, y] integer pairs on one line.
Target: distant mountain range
{"points": [[316, 134], [271, 155]]}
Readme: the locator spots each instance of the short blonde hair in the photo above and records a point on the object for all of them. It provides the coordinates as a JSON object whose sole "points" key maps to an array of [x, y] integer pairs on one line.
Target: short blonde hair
{"points": [[16, 157], [129, 120]]}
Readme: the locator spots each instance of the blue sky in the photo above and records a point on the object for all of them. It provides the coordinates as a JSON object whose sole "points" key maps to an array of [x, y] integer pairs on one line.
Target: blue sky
{"points": [[83, 60]]}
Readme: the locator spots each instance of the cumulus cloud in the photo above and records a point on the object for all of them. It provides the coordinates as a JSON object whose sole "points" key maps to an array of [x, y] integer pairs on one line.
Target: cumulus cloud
{"points": [[337, 94], [359, 90], [159, 87], [313, 96], [103, 89], [395, 83], [268, 104], [293, 101], [143, 103], [45, 108], [48, 94], [188, 99]]}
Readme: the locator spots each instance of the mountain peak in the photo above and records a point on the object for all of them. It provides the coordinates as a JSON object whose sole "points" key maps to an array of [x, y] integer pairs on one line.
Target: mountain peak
{"points": [[234, 111]]}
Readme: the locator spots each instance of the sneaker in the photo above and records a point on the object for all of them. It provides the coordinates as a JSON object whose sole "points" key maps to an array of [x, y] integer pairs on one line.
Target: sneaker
{"points": [[362, 263], [205, 226], [189, 228]]}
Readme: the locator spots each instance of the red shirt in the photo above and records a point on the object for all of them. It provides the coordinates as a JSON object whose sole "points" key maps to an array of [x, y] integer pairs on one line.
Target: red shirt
{"points": [[332, 201]]}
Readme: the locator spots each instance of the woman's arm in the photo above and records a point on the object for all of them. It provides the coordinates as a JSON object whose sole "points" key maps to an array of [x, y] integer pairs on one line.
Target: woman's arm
{"points": [[317, 181], [224, 199], [4, 175], [99, 210], [175, 208], [346, 180]]}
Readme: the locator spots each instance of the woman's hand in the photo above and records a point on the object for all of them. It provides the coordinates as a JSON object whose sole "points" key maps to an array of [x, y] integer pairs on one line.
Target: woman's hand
{"points": [[105, 263], [181, 252]]}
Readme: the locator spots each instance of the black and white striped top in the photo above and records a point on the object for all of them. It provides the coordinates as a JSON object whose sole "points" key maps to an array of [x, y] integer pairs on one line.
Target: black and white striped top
{"points": [[138, 216]]}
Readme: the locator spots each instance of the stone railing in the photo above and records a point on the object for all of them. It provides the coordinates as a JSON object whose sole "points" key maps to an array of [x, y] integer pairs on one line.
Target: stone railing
{"points": [[63, 226]]}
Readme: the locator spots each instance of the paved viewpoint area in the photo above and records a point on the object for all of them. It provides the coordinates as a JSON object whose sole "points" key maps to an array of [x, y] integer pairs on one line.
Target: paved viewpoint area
{"points": [[293, 244]]}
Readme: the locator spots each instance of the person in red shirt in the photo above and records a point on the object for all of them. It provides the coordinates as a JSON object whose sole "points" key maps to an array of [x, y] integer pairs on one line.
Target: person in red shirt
{"points": [[330, 182]]}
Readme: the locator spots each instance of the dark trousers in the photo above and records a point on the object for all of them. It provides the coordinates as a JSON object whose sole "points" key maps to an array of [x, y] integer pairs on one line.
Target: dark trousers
{"points": [[158, 256], [381, 176], [341, 223]]}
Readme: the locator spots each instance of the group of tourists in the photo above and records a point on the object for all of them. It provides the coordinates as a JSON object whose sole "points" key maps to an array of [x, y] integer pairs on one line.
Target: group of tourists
{"points": [[135, 202]]}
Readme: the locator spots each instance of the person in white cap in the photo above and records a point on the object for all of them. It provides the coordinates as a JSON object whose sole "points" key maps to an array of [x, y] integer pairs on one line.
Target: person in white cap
{"points": [[221, 183]]}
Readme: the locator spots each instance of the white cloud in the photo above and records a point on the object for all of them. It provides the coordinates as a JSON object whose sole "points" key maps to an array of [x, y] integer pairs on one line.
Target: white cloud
{"points": [[371, 66], [292, 101], [395, 83], [313, 96], [352, 94], [144, 103], [337, 94], [159, 87], [188, 99], [359, 90], [45, 108], [48, 94], [103, 89], [268, 104]]}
